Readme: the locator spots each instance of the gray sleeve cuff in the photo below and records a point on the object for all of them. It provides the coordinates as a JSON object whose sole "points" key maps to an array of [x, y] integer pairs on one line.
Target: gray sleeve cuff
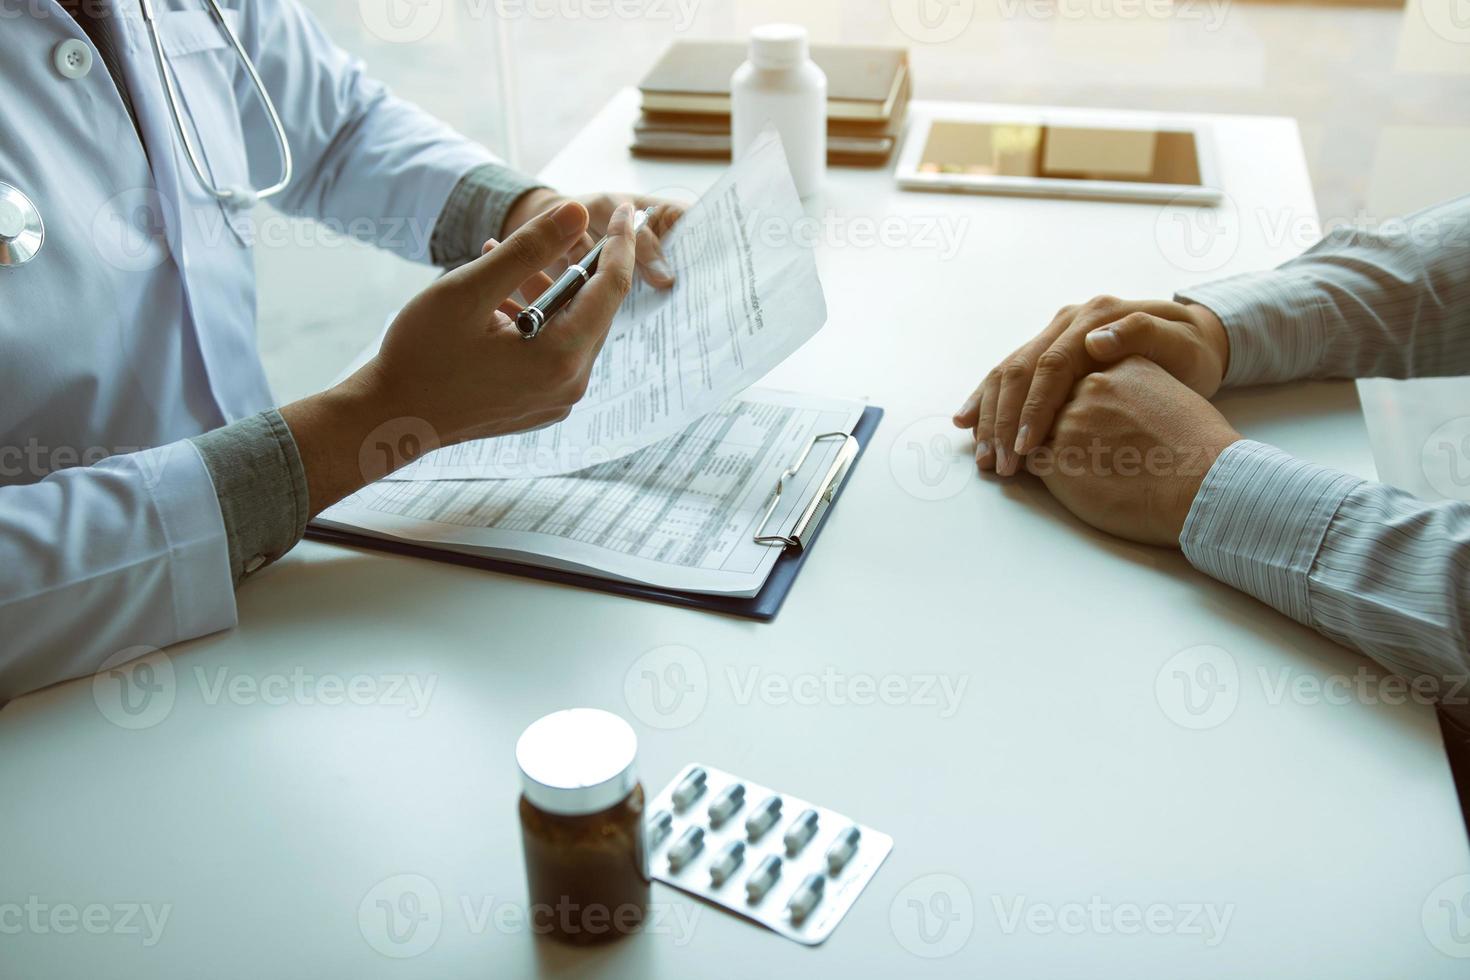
{"points": [[475, 211], [261, 486], [1275, 322], [1259, 520]]}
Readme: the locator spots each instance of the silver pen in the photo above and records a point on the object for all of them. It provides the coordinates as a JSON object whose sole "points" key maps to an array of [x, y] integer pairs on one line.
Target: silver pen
{"points": [[535, 316]]}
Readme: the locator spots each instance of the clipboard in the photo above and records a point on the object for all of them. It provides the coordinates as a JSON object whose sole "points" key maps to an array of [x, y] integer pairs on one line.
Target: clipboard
{"points": [[763, 606]]}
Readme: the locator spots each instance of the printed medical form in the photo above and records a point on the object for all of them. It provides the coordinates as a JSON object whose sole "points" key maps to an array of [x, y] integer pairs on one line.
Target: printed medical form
{"points": [[747, 295], [680, 514]]}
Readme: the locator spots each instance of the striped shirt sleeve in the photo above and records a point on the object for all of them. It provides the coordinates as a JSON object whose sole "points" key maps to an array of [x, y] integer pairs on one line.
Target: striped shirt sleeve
{"points": [[1392, 302], [1362, 563]]}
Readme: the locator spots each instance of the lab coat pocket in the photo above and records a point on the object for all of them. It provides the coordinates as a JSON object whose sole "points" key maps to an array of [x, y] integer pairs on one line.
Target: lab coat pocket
{"points": [[206, 71]]}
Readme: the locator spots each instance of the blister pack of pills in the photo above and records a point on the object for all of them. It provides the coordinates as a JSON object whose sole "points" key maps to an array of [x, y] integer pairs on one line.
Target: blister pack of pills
{"points": [[790, 865]]}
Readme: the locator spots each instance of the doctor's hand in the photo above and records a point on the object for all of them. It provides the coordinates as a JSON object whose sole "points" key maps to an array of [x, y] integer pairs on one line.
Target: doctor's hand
{"points": [[1013, 409], [600, 207], [453, 367], [1128, 453]]}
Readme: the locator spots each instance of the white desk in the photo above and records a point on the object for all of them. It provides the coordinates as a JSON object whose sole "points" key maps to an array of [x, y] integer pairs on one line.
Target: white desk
{"points": [[1061, 779]]}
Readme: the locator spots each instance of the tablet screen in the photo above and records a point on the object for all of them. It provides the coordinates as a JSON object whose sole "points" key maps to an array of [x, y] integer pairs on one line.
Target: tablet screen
{"points": [[1138, 156]]}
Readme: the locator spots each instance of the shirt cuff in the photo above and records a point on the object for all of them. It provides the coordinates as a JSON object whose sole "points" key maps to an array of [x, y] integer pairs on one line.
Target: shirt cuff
{"points": [[475, 211], [1258, 522], [261, 487], [1275, 322]]}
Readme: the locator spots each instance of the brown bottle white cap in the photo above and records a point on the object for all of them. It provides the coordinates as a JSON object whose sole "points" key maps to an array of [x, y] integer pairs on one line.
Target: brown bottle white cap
{"points": [[577, 761]]}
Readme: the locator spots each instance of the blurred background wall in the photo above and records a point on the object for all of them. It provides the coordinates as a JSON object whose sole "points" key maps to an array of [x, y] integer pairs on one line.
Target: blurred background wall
{"points": [[1382, 94]]}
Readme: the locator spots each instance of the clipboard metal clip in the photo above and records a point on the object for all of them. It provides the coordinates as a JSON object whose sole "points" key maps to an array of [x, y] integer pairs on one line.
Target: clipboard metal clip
{"points": [[811, 515]]}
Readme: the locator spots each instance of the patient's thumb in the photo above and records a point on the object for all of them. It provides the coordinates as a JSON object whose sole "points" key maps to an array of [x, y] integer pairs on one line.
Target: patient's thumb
{"points": [[1137, 333]]}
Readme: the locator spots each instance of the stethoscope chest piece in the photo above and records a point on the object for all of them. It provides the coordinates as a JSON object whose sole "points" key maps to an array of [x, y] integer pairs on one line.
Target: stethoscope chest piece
{"points": [[21, 230]]}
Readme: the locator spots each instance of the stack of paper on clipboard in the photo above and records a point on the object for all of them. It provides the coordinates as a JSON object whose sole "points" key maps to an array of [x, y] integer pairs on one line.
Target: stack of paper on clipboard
{"points": [[683, 514], [671, 473]]}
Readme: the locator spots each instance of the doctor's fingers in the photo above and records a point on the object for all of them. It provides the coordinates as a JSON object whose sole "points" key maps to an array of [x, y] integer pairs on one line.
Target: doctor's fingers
{"points": [[651, 260], [535, 284], [585, 323], [665, 214], [582, 246], [491, 279], [649, 254]]}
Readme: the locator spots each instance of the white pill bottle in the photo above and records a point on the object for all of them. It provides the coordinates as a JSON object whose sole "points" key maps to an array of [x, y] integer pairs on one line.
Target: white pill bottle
{"points": [[779, 83]]}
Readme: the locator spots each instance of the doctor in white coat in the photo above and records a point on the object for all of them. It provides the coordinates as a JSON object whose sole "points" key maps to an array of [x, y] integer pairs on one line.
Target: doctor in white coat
{"points": [[144, 472]]}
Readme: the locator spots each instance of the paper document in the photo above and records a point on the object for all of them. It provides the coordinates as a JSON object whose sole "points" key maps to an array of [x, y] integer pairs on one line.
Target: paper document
{"points": [[680, 514], [746, 296], [1420, 434]]}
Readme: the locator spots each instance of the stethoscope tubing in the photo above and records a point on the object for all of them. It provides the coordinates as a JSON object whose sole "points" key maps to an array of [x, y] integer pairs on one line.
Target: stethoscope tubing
{"points": [[235, 196]]}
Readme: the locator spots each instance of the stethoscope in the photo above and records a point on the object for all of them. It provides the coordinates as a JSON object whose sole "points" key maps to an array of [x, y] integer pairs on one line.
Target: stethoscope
{"points": [[22, 232]]}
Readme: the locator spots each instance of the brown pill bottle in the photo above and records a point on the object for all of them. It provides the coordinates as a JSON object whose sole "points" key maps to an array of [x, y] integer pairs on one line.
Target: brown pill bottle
{"points": [[582, 826]]}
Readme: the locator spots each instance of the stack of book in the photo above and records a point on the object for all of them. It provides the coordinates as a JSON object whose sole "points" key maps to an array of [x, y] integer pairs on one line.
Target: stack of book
{"points": [[686, 101]]}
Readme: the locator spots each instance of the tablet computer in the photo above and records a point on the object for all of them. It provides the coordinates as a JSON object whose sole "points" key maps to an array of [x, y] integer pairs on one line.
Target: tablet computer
{"points": [[1080, 153]]}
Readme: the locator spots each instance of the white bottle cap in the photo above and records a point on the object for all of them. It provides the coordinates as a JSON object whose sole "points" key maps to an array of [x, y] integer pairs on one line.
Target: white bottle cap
{"points": [[778, 45], [577, 761]]}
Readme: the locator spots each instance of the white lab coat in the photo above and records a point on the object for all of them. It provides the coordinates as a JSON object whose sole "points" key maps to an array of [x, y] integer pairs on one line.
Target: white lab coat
{"points": [[134, 328]]}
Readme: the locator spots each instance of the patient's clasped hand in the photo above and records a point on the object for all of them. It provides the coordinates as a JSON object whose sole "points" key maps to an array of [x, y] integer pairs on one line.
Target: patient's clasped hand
{"points": [[1109, 407]]}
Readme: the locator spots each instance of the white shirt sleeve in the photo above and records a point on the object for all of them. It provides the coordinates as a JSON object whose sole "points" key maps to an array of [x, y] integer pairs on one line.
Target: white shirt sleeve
{"points": [[98, 559], [369, 164]]}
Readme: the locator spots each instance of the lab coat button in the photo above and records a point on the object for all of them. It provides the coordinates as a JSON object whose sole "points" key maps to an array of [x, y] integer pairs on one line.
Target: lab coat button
{"points": [[73, 58]]}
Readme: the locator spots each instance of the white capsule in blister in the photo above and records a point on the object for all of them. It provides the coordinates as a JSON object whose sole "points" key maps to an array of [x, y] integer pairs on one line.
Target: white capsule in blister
{"points": [[688, 845], [762, 878], [800, 831], [806, 897], [659, 826], [842, 849], [730, 799], [762, 817], [690, 788], [725, 863]]}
